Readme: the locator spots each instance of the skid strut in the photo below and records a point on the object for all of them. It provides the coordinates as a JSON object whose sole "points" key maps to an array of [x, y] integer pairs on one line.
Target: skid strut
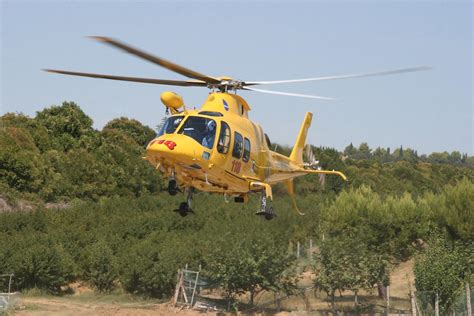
{"points": [[266, 209]]}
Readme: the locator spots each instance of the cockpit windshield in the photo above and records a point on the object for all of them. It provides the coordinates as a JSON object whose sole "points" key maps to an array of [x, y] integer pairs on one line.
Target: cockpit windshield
{"points": [[170, 125], [201, 129]]}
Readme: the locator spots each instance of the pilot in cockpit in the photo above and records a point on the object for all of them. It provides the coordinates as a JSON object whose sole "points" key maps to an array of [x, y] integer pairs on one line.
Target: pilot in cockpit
{"points": [[209, 134]]}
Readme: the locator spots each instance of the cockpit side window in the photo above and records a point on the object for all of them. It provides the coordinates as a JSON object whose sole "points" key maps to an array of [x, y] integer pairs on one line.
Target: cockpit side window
{"points": [[201, 129], [170, 125], [246, 156], [238, 146], [224, 139]]}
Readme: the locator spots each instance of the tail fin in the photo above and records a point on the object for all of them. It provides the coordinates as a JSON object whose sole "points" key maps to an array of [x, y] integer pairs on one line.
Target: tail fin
{"points": [[296, 155]]}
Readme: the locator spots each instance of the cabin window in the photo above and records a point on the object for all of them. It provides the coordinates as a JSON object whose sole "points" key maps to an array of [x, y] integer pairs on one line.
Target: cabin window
{"points": [[201, 129], [246, 155], [170, 125], [224, 139], [238, 146]]}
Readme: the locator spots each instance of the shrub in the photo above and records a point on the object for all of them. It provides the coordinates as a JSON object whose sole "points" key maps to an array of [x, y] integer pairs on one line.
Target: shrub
{"points": [[39, 263], [146, 271], [101, 269]]}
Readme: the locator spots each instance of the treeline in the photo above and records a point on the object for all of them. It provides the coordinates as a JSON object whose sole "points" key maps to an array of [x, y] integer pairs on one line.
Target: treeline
{"points": [[393, 175], [59, 156]]}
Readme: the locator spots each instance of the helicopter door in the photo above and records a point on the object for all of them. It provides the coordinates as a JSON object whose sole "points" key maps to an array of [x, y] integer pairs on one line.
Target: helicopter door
{"points": [[223, 146], [235, 164]]}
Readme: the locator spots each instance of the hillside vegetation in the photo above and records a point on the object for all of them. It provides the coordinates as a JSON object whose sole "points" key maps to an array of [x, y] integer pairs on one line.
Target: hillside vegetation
{"points": [[111, 226]]}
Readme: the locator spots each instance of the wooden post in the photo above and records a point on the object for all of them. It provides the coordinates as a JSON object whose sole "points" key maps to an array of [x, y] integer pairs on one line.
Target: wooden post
{"points": [[297, 249], [183, 291], [388, 299], [468, 299], [178, 286], [436, 305], [10, 284], [413, 302], [277, 295], [310, 249]]}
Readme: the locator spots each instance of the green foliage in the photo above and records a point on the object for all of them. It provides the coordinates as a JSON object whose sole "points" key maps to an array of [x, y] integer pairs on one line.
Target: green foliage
{"points": [[101, 267], [240, 263], [459, 211], [37, 263], [441, 269], [21, 166], [139, 133], [388, 225], [147, 271], [65, 122], [59, 156], [346, 263]]}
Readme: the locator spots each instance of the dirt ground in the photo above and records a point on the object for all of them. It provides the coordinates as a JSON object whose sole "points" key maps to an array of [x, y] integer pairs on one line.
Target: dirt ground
{"points": [[81, 306], [85, 302]]}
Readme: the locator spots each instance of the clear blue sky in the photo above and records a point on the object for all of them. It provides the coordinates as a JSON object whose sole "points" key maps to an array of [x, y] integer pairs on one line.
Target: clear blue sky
{"points": [[428, 111]]}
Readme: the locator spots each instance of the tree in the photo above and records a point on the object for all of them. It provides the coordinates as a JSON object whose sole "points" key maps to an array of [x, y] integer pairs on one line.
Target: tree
{"points": [[345, 263], [21, 166], [66, 122], [101, 267], [350, 151], [137, 131], [39, 263], [239, 263], [439, 157], [440, 271], [148, 270], [364, 151], [459, 210]]}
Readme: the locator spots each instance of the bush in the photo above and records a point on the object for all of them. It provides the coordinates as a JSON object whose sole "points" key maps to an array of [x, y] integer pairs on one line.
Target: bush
{"points": [[101, 268], [39, 263], [147, 271]]}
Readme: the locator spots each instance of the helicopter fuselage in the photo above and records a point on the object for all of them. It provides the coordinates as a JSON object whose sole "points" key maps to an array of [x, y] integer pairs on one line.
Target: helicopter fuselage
{"points": [[238, 156]]}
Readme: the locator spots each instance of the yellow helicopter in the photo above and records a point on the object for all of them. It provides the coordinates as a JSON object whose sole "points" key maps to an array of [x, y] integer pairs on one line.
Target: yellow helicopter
{"points": [[218, 149]]}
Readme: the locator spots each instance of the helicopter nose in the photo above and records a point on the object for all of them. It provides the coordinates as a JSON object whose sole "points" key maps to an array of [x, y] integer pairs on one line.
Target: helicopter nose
{"points": [[161, 148], [170, 147]]}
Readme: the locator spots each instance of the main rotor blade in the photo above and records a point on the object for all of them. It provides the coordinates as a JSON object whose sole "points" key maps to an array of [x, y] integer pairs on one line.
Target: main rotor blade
{"points": [[288, 94], [370, 74], [157, 60], [133, 79]]}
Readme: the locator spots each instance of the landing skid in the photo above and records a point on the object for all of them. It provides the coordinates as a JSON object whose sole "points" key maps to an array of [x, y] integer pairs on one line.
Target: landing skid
{"points": [[185, 207], [266, 210]]}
